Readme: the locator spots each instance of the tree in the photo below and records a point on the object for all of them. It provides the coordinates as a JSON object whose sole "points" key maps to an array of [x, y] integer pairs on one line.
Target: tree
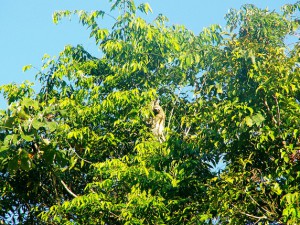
{"points": [[80, 151]]}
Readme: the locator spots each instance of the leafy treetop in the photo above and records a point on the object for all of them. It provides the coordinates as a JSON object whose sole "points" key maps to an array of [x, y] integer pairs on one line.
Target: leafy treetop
{"points": [[79, 150]]}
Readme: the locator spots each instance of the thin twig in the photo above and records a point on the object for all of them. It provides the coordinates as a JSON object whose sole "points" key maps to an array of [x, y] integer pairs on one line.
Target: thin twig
{"points": [[256, 217], [74, 151], [250, 215], [115, 215], [85, 160], [111, 16], [278, 110], [172, 111], [187, 130], [267, 211], [269, 110], [68, 189], [171, 115], [203, 82]]}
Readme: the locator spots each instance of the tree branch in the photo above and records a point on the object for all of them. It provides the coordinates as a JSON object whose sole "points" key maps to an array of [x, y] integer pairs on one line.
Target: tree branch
{"points": [[269, 110], [252, 216], [68, 189], [278, 110], [74, 151]]}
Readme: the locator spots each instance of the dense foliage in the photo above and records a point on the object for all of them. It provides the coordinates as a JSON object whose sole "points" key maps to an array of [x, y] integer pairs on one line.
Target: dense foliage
{"points": [[79, 151]]}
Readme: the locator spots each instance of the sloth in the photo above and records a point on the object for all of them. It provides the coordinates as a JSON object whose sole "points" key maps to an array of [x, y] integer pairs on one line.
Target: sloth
{"points": [[158, 121]]}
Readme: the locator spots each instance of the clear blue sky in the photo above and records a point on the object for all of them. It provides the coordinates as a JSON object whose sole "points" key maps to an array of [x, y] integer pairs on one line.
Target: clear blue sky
{"points": [[27, 31]]}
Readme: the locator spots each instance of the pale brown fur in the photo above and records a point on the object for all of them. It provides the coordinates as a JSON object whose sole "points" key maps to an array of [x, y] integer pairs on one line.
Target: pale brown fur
{"points": [[158, 121]]}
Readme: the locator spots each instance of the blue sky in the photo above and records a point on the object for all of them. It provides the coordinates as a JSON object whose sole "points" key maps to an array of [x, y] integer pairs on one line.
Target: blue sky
{"points": [[27, 31]]}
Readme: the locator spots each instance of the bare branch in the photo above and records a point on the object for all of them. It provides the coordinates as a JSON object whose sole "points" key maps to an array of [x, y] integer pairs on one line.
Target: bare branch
{"points": [[269, 110], [74, 151], [252, 216], [68, 189], [278, 110]]}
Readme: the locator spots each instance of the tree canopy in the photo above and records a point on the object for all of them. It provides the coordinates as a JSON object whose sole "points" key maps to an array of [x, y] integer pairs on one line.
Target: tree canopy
{"points": [[80, 151]]}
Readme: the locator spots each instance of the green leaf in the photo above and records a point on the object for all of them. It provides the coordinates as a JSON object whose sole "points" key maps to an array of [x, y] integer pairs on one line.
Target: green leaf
{"points": [[145, 8], [248, 121], [46, 141], [277, 189], [258, 119], [25, 163], [27, 102], [27, 67], [219, 88], [52, 126], [27, 137], [49, 156], [37, 124], [13, 165], [271, 135]]}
